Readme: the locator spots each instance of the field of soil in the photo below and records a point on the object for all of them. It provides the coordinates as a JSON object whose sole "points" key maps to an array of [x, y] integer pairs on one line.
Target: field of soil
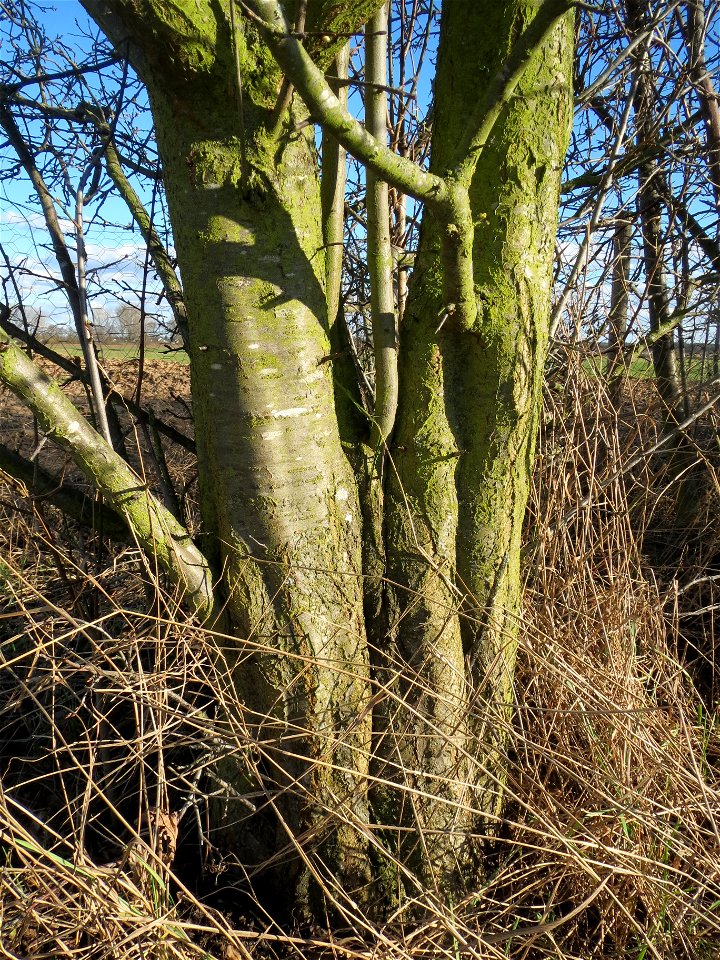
{"points": [[165, 389], [164, 392]]}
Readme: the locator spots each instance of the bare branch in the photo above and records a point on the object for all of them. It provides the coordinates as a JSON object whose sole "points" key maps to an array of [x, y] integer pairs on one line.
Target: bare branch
{"points": [[380, 259], [327, 110], [156, 530], [159, 254], [75, 371], [72, 501]]}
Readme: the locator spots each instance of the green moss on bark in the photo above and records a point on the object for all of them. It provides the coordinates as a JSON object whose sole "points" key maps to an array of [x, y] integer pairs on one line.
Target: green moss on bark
{"points": [[278, 498], [469, 404]]}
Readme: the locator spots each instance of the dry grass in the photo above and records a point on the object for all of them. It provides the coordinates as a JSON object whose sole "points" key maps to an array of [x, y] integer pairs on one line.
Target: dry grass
{"points": [[610, 842]]}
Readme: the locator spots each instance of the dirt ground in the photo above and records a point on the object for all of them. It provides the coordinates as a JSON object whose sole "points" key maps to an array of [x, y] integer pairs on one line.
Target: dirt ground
{"points": [[165, 389]]}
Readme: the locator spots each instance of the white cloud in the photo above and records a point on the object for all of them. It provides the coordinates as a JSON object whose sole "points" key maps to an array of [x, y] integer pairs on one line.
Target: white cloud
{"points": [[32, 220]]}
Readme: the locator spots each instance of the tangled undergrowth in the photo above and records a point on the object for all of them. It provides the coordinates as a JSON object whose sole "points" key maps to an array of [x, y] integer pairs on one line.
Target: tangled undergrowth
{"points": [[609, 844]]}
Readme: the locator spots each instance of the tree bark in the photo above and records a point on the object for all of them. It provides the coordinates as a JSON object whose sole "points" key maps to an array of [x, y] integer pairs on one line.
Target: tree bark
{"points": [[650, 208], [277, 492], [281, 521], [465, 436], [380, 261], [278, 499]]}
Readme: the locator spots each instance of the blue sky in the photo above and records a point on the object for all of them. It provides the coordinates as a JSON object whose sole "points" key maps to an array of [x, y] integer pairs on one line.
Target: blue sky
{"points": [[115, 252]]}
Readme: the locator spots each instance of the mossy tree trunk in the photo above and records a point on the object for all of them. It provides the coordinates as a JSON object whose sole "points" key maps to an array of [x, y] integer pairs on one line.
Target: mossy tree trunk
{"points": [[282, 521], [466, 428], [278, 499]]}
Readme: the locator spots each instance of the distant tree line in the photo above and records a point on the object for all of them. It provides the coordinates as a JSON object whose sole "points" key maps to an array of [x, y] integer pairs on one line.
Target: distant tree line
{"points": [[122, 324]]}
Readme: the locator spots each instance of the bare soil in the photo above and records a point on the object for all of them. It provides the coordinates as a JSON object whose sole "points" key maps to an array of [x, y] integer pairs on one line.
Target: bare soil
{"points": [[165, 389]]}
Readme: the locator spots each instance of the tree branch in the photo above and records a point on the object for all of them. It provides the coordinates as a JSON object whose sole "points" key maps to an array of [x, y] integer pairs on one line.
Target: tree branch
{"points": [[502, 87], [160, 258], [154, 527], [62, 255], [332, 187], [75, 371], [380, 260], [449, 202], [73, 73], [327, 110]]}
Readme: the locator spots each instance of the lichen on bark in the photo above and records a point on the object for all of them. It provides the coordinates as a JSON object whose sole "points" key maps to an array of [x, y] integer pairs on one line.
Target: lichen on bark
{"points": [[468, 413], [281, 519]]}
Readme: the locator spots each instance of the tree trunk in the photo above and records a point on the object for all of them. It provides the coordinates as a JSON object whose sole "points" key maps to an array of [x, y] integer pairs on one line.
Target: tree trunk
{"points": [[650, 208], [465, 437], [280, 504], [277, 492], [278, 499]]}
